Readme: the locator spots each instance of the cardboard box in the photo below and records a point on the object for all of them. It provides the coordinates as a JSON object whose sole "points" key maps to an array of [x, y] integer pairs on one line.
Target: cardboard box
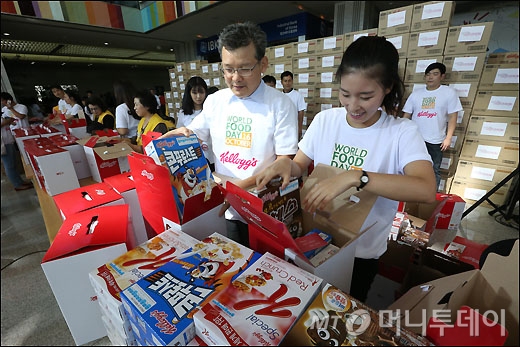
{"points": [[53, 167], [469, 38], [276, 67], [328, 62], [336, 317], [284, 52], [395, 21], [302, 64], [306, 78], [109, 279], [431, 15], [499, 77], [503, 58], [415, 68], [162, 304], [466, 92], [401, 43], [500, 103], [20, 135], [482, 173], [353, 36], [490, 152], [472, 192], [85, 240], [77, 153], [155, 190], [504, 129], [330, 45], [465, 250], [464, 68], [106, 156], [238, 316], [306, 48], [427, 43], [282, 204], [449, 163], [493, 290], [124, 184], [343, 220]]}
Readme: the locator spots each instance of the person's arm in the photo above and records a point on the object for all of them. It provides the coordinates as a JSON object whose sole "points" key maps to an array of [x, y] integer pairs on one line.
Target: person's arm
{"points": [[407, 115], [300, 123], [452, 124], [175, 132], [7, 121], [15, 113], [417, 184]]}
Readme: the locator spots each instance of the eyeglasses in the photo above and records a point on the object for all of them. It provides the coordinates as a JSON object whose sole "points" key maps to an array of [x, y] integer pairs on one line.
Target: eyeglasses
{"points": [[244, 72]]}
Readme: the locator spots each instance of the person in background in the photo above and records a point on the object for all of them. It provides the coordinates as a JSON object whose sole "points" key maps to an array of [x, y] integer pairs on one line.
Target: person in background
{"points": [[9, 151], [86, 110], [250, 125], [434, 108], [295, 96], [212, 89], [145, 107], [380, 152], [195, 94], [36, 114], [73, 99], [58, 92], [269, 80], [126, 118], [153, 92], [102, 117], [18, 112]]}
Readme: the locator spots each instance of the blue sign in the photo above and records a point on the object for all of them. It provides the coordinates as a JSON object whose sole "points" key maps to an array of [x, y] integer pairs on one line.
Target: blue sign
{"points": [[207, 46]]}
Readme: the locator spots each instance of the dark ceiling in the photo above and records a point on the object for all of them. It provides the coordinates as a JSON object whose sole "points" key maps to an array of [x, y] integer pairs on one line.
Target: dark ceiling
{"points": [[156, 45]]}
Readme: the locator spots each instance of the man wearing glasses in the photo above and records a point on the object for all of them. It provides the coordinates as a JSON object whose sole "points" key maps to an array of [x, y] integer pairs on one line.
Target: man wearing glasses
{"points": [[249, 124]]}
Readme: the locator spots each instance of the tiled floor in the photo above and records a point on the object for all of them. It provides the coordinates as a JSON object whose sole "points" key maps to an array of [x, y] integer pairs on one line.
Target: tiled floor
{"points": [[30, 314]]}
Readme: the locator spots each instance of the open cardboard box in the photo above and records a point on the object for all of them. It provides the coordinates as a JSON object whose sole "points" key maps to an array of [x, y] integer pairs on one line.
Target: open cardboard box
{"points": [[344, 222], [493, 290]]}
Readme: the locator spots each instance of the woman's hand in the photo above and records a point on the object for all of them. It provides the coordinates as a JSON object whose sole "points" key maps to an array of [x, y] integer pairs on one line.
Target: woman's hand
{"points": [[175, 132], [281, 167], [325, 191]]}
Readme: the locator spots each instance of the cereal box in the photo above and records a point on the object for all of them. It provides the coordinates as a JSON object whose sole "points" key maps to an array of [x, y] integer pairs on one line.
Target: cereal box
{"points": [[161, 305], [259, 307], [282, 204], [189, 171], [337, 319]]}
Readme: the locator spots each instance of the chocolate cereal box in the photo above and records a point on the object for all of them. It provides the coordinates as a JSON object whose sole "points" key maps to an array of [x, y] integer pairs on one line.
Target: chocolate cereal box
{"points": [[337, 319], [161, 305], [260, 305]]}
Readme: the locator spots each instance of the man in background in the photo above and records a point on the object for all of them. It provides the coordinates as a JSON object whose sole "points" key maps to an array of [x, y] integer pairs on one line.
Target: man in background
{"points": [[295, 96]]}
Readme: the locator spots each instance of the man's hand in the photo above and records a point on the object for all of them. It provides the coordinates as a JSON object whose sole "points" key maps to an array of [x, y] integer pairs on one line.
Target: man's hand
{"points": [[176, 132]]}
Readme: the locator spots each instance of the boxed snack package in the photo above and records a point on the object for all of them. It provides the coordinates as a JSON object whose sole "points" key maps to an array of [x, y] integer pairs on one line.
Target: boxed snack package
{"points": [[259, 307], [85, 240], [313, 242], [282, 204], [108, 280], [334, 318], [177, 190], [161, 305]]}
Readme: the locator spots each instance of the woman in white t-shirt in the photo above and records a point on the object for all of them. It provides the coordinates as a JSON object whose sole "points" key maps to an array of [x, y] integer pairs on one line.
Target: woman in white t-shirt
{"points": [[194, 96], [126, 118], [73, 99]]}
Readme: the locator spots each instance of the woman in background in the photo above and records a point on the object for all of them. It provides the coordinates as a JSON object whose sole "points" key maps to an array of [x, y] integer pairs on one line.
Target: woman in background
{"points": [[145, 106], [193, 99], [73, 99], [126, 118], [102, 117]]}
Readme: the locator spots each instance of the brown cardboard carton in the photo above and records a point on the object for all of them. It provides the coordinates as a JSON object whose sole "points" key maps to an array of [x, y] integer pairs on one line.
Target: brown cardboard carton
{"points": [[395, 21], [470, 38], [502, 103], [464, 68], [492, 290], [489, 151], [415, 68], [427, 43], [482, 173], [499, 77], [431, 15], [353, 36], [503, 129]]}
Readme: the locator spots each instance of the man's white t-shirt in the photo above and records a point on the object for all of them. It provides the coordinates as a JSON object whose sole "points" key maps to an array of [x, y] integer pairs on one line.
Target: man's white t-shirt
{"points": [[297, 99], [74, 110], [247, 133], [18, 123], [430, 109], [125, 120], [385, 147]]}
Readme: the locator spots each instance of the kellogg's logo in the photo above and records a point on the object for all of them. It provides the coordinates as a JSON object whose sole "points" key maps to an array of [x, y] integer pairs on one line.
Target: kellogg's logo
{"points": [[147, 174], [74, 230], [106, 164], [164, 143]]}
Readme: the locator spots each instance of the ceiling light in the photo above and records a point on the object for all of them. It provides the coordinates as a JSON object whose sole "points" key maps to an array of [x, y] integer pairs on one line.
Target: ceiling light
{"points": [[171, 49], [300, 7], [106, 43], [33, 62], [90, 64], [63, 64], [6, 34], [199, 36]]}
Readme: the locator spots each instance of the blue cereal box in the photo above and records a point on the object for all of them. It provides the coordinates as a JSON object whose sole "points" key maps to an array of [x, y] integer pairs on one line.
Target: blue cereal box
{"points": [[184, 158], [161, 305]]}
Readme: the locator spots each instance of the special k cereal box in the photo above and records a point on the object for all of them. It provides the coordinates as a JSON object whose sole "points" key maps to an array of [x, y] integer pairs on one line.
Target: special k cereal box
{"points": [[111, 278], [161, 305], [337, 319], [259, 307]]}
